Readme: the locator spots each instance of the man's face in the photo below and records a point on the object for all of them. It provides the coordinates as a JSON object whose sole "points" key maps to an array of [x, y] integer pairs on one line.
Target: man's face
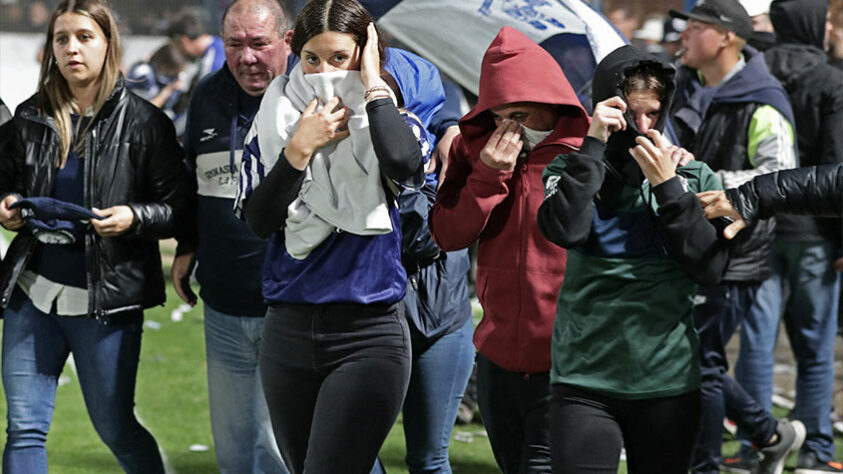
{"points": [[254, 49], [702, 43], [529, 114]]}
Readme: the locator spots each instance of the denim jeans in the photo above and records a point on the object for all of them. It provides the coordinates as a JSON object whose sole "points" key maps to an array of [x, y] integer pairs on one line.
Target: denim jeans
{"points": [[437, 382], [35, 348], [716, 319], [335, 376], [810, 316], [515, 408], [239, 417]]}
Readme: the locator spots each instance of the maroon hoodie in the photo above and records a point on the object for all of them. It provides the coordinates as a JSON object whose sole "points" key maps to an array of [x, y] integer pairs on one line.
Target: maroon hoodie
{"points": [[518, 272]]}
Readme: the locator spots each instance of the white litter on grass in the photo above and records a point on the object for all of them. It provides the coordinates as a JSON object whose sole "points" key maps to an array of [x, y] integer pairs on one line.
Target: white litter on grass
{"points": [[178, 314], [64, 380], [838, 425], [155, 325], [168, 468], [463, 437], [783, 402], [198, 448]]}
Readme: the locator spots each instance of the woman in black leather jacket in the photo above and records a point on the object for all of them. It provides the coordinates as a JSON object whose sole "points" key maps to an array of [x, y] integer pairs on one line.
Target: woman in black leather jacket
{"points": [[811, 191], [83, 143]]}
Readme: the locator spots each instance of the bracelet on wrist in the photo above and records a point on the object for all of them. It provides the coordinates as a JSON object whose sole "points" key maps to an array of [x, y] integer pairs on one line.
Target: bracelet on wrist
{"points": [[383, 90]]}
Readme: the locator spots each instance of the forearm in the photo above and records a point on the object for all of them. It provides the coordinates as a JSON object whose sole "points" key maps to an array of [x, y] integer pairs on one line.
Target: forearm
{"points": [[814, 191], [266, 208], [395, 145], [690, 238], [566, 214]]}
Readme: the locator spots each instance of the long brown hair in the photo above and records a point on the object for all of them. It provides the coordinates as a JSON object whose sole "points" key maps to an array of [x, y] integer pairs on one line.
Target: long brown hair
{"points": [[52, 86]]}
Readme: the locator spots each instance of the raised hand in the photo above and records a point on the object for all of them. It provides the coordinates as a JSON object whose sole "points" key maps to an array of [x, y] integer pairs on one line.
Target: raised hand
{"points": [[654, 157], [607, 118], [370, 60], [316, 129], [502, 148]]}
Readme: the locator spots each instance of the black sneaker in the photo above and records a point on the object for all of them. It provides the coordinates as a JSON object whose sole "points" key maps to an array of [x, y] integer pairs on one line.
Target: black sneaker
{"points": [[809, 464], [738, 464], [791, 436]]}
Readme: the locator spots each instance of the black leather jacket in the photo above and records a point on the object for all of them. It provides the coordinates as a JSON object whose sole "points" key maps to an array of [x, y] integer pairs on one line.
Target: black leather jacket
{"points": [[132, 157], [809, 191]]}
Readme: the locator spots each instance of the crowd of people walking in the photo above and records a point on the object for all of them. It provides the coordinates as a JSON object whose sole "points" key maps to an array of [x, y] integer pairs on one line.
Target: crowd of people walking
{"points": [[324, 189]]}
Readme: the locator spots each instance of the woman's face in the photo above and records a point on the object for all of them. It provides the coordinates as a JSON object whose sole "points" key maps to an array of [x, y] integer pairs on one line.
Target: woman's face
{"points": [[330, 51], [79, 46]]}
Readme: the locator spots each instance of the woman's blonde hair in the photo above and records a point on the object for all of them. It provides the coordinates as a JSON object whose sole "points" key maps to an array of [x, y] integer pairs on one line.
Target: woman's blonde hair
{"points": [[53, 89]]}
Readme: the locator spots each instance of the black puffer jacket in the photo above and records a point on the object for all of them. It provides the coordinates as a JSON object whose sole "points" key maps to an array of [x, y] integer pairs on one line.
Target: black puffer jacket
{"points": [[816, 94], [131, 157], [810, 191]]}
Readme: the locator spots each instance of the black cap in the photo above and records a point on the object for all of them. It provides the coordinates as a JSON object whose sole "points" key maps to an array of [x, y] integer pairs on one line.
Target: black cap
{"points": [[727, 14]]}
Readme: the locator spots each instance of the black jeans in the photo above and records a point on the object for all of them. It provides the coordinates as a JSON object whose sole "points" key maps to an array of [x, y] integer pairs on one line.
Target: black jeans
{"points": [[514, 407], [588, 431], [334, 376]]}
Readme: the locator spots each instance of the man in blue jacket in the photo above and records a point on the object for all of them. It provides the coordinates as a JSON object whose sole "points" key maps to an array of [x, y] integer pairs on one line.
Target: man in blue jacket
{"points": [[230, 256]]}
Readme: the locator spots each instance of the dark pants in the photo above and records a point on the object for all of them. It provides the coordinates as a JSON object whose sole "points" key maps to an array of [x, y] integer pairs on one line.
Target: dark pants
{"points": [[514, 407], [334, 377], [716, 319], [588, 431]]}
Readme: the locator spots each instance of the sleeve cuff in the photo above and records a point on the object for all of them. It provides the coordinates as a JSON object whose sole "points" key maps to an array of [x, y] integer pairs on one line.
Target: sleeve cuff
{"points": [[593, 147], [669, 190]]}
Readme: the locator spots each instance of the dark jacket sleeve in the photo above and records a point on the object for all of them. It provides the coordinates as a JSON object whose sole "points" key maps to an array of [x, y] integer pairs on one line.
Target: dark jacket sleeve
{"points": [[690, 238], [266, 208], [565, 215], [167, 199], [813, 191], [11, 160], [395, 145]]}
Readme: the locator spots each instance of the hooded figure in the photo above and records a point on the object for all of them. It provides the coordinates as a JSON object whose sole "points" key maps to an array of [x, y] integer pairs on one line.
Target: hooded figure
{"points": [[638, 244], [800, 64], [518, 272]]}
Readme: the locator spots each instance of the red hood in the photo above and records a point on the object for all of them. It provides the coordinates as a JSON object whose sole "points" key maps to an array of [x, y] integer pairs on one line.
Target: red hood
{"points": [[516, 69]]}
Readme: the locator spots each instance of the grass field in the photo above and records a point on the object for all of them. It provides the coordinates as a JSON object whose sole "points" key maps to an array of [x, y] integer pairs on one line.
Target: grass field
{"points": [[172, 403]]}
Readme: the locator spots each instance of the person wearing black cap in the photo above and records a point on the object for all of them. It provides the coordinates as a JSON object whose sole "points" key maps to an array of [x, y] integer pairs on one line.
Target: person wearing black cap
{"points": [[736, 117]]}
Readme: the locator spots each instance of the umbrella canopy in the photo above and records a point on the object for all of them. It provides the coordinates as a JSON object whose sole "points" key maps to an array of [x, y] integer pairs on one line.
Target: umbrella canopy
{"points": [[454, 34]]}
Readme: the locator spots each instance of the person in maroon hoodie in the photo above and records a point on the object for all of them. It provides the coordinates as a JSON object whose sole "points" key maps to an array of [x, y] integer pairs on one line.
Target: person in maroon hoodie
{"points": [[526, 114]]}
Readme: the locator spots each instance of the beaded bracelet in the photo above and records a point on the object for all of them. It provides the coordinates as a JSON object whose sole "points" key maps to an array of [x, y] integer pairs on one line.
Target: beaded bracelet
{"points": [[374, 89]]}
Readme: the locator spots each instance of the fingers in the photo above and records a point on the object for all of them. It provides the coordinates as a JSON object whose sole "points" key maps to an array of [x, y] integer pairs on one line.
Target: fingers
{"points": [[371, 38], [615, 102], [11, 219], [311, 107], [431, 165], [732, 229], [658, 139], [648, 146], [708, 197]]}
